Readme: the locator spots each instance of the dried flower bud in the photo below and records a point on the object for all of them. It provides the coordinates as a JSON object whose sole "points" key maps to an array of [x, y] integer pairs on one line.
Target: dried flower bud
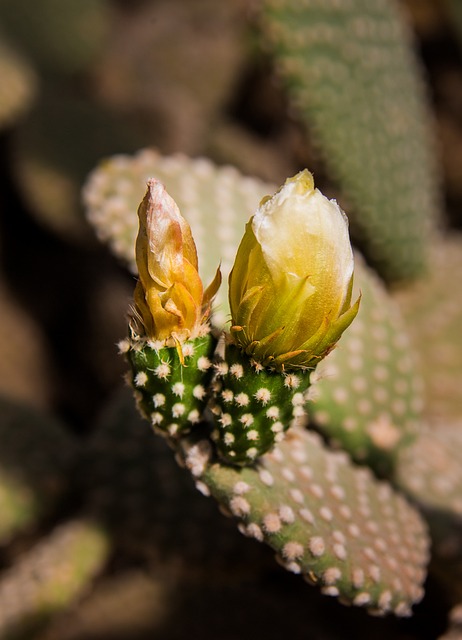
{"points": [[170, 303]]}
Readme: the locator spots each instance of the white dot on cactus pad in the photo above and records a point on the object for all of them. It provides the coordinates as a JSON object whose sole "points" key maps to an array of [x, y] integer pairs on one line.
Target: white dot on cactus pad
{"points": [[317, 546], [239, 506], [242, 400], [229, 439], [331, 575], [292, 550], [286, 514], [162, 371], [272, 413], [272, 523], [203, 363], [158, 400], [141, 378], [199, 392], [237, 371], [178, 389], [156, 418], [178, 410], [263, 395]]}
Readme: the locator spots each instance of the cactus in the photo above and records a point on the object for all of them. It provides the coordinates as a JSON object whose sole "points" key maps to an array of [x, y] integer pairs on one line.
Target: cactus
{"points": [[216, 201], [253, 406], [351, 72], [60, 38], [171, 387], [433, 310], [19, 84], [36, 457], [430, 472], [300, 498], [367, 394], [335, 524], [50, 576]]}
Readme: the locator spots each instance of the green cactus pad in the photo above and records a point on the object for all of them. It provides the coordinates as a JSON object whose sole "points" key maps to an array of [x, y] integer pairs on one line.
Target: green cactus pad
{"points": [[367, 395], [49, 577], [36, 457], [18, 86], [351, 72], [432, 309], [253, 406], [216, 201], [430, 472], [331, 522], [171, 395]]}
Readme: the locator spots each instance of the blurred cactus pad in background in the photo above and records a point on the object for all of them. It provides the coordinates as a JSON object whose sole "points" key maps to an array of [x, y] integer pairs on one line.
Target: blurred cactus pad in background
{"points": [[113, 528]]}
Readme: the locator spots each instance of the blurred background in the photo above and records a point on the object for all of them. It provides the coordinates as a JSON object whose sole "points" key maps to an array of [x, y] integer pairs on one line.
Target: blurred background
{"points": [[81, 80]]}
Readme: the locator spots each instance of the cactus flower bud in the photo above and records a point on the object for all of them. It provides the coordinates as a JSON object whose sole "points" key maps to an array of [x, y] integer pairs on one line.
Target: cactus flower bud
{"points": [[170, 302], [291, 284]]}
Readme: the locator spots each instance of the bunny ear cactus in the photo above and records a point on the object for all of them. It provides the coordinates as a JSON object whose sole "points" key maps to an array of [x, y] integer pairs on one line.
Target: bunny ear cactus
{"points": [[289, 306], [350, 70], [436, 327], [334, 524], [171, 346], [327, 520]]}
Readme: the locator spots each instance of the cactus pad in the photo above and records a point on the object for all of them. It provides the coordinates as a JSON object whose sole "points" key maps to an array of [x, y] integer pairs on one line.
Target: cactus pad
{"points": [[432, 309], [336, 525], [217, 202], [351, 72], [253, 406], [171, 395], [430, 470], [367, 394]]}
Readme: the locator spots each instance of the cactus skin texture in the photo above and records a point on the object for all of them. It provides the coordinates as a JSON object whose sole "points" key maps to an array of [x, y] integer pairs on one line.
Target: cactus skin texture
{"points": [[350, 71], [331, 522], [433, 309], [367, 395], [430, 473], [171, 395], [253, 406]]}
